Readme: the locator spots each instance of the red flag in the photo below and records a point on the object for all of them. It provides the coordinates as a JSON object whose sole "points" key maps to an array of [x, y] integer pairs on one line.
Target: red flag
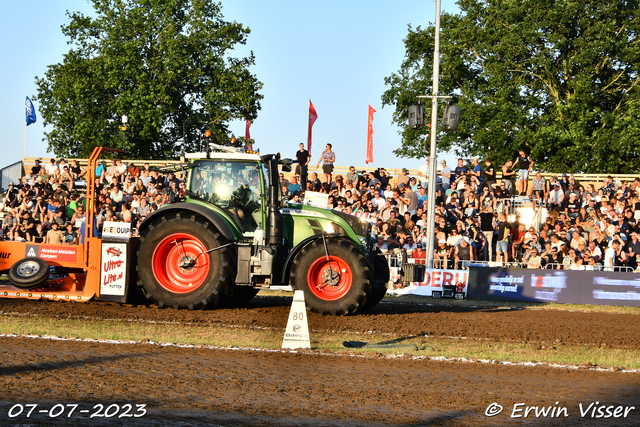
{"points": [[247, 136], [313, 116], [370, 137]]}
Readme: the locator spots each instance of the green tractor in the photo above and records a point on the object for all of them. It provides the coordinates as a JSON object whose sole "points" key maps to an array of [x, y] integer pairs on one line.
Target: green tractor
{"points": [[233, 236]]}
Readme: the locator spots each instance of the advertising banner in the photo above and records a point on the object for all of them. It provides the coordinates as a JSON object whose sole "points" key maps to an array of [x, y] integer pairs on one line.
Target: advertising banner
{"points": [[559, 286], [311, 198], [434, 280], [116, 231], [53, 253], [113, 271]]}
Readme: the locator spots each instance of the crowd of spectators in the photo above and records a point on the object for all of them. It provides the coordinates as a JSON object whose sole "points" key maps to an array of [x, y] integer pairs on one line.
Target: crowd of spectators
{"points": [[585, 227], [49, 204]]}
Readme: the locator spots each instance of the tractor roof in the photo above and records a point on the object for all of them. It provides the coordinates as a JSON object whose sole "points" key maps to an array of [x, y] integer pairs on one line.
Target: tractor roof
{"points": [[223, 156]]}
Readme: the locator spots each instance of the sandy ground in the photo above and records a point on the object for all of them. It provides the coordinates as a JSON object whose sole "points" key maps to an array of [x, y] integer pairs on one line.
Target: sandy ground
{"points": [[187, 386]]}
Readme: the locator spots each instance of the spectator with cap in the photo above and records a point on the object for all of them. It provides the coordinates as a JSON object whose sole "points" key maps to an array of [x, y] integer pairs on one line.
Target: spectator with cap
{"points": [[413, 184], [403, 178], [564, 181], [532, 259], [462, 254], [11, 196], [441, 254]]}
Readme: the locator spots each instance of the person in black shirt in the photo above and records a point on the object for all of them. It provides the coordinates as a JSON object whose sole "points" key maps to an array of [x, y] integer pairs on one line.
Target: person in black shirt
{"points": [[383, 178], [10, 196], [303, 157], [461, 169], [489, 174], [572, 206], [35, 170], [486, 226], [525, 163]]}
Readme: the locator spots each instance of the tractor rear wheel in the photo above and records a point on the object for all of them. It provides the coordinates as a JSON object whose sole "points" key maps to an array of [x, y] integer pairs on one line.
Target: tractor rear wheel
{"points": [[335, 284], [29, 273], [174, 268]]}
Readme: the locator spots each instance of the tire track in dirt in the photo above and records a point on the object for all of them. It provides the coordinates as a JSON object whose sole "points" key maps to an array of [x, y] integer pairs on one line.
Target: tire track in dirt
{"points": [[621, 331]]}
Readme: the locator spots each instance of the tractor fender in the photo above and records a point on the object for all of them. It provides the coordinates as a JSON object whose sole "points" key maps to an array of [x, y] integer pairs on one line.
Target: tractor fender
{"points": [[209, 214], [286, 268]]}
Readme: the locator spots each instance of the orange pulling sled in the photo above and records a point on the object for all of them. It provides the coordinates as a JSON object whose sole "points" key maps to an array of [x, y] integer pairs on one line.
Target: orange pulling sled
{"points": [[65, 272]]}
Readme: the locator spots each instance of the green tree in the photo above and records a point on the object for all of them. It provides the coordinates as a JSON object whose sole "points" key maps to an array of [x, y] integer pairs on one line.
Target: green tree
{"points": [[557, 77], [163, 63]]}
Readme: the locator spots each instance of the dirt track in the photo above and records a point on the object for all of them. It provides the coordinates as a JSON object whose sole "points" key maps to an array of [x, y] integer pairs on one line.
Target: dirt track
{"points": [[224, 387]]}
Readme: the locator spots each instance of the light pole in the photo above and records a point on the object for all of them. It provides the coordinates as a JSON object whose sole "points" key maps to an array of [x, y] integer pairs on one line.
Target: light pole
{"points": [[123, 128], [431, 198]]}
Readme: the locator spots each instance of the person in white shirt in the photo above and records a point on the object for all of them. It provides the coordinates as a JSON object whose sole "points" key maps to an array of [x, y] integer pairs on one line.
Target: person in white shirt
{"points": [[423, 172], [610, 256], [52, 168]]}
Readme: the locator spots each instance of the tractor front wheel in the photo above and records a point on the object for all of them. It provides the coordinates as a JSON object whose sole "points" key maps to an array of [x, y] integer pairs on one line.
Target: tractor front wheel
{"points": [[335, 278]]}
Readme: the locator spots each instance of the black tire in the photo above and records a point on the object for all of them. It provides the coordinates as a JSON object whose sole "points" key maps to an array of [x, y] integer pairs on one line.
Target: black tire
{"points": [[241, 295], [339, 294], [29, 273], [167, 283], [380, 279]]}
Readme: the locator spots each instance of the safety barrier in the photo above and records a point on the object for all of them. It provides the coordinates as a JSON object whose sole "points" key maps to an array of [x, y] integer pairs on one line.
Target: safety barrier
{"points": [[586, 267]]}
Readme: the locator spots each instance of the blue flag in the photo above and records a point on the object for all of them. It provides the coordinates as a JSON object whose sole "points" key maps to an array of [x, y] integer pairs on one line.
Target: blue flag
{"points": [[31, 112]]}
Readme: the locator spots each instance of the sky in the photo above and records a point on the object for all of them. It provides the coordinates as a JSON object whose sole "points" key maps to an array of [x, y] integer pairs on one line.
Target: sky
{"points": [[334, 53]]}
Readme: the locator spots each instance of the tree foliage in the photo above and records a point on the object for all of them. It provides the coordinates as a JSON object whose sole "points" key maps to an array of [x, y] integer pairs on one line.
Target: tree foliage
{"points": [[163, 63], [558, 77]]}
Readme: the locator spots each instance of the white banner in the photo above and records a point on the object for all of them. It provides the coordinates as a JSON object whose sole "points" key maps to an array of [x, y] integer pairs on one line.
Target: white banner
{"points": [[118, 231], [434, 280], [113, 269], [312, 198]]}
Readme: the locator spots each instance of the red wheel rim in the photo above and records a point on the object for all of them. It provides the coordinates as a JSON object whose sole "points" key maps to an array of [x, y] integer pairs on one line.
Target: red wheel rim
{"points": [[330, 280], [168, 270]]}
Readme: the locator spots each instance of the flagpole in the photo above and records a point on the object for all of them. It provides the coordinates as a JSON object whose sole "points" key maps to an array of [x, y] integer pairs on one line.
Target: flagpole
{"points": [[25, 134]]}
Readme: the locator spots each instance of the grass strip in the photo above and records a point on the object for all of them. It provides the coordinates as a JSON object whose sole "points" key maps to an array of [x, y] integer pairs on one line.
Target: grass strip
{"points": [[466, 303], [272, 339]]}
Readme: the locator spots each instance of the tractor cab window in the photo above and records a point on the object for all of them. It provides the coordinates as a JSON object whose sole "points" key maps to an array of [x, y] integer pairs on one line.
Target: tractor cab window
{"points": [[235, 187]]}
